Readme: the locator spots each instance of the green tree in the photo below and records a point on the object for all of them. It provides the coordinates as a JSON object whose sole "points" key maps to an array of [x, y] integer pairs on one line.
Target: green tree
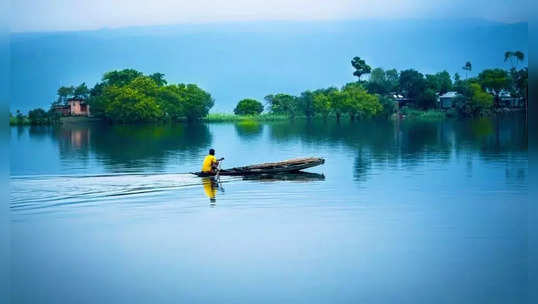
{"points": [[495, 81], [171, 100], [468, 67], [389, 106], [521, 82], [427, 99], [360, 66], [412, 83], [159, 79], [357, 101], [197, 102], [378, 83], [127, 104], [393, 79], [439, 82], [445, 82], [81, 91], [305, 102], [120, 78], [20, 117], [248, 107], [38, 117], [96, 99], [514, 58], [282, 104], [134, 101], [63, 94], [338, 103], [476, 101], [322, 103]]}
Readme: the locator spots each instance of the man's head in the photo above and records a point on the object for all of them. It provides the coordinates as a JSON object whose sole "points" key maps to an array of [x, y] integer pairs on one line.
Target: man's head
{"points": [[212, 151]]}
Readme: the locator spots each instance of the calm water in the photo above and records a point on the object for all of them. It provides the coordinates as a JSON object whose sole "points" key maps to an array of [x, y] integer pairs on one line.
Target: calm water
{"points": [[410, 212]]}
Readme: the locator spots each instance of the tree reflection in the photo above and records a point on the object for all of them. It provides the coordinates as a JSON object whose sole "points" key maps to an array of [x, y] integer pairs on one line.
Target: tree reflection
{"points": [[129, 147], [409, 143], [248, 129]]}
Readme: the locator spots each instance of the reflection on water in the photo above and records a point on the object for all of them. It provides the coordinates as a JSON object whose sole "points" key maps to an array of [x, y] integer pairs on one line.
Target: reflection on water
{"points": [[142, 148], [397, 207], [248, 129], [210, 188]]}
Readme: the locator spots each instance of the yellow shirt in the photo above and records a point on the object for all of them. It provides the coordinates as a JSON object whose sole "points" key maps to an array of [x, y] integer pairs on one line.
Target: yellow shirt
{"points": [[207, 166]]}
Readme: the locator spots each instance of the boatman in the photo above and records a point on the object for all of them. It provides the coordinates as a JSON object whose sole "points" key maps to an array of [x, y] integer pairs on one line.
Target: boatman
{"points": [[211, 163]]}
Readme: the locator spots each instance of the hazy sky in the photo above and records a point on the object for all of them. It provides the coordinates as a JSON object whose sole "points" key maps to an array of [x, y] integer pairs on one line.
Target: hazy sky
{"points": [[48, 15]]}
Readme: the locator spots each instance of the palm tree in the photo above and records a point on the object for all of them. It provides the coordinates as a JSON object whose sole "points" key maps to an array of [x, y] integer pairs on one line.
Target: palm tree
{"points": [[519, 56], [508, 55], [514, 58], [468, 67]]}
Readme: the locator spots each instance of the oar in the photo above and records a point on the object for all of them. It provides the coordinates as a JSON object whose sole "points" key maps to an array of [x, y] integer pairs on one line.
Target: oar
{"points": [[217, 176]]}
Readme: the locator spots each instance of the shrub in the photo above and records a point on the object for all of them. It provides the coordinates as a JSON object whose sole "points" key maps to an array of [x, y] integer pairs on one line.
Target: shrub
{"points": [[248, 107]]}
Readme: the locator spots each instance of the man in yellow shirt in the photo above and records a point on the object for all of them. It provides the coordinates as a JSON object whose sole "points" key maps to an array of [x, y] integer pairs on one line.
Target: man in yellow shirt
{"points": [[210, 163]]}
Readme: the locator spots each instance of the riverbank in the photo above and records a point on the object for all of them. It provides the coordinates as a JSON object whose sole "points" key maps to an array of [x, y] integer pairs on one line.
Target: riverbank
{"points": [[409, 114], [422, 115], [225, 117]]}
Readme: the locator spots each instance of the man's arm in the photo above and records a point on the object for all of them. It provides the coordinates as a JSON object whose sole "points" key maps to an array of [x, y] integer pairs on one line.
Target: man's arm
{"points": [[216, 162]]}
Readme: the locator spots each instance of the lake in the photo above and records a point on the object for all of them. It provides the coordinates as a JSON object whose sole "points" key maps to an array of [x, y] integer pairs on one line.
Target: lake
{"points": [[401, 212]]}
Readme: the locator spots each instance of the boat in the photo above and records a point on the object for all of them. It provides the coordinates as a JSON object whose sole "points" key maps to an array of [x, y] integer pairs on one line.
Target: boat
{"points": [[285, 166], [299, 176]]}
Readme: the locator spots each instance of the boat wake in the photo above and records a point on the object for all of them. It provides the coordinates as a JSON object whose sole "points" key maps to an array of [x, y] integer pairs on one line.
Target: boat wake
{"points": [[35, 192]]}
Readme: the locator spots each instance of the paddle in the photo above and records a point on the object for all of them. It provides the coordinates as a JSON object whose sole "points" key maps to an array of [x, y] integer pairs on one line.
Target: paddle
{"points": [[218, 169]]}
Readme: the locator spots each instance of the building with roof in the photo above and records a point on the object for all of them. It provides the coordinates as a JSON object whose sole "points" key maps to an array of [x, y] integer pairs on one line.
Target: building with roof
{"points": [[448, 100], [74, 107]]}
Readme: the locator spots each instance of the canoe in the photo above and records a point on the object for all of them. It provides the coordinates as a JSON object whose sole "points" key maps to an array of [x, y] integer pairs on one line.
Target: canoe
{"points": [[290, 165], [299, 176]]}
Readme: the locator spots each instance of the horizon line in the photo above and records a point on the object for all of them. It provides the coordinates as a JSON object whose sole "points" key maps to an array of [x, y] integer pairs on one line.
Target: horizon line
{"points": [[201, 23]]}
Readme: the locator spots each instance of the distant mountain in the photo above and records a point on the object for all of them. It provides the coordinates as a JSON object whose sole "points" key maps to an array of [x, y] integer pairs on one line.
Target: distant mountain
{"points": [[253, 59]]}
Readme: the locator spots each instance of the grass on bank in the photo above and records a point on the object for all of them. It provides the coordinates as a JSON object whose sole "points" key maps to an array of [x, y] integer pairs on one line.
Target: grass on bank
{"points": [[423, 115], [223, 117], [23, 121]]}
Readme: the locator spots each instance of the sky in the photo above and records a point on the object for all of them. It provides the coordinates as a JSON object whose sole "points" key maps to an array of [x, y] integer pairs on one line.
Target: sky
{"points": [[69, 15]]}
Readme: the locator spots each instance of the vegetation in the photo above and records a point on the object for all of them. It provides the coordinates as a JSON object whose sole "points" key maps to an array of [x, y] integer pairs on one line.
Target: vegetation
{"points": [[423, 115], [248, 107], [34, 117], [221, 117], [127, 96], [352, 99]]}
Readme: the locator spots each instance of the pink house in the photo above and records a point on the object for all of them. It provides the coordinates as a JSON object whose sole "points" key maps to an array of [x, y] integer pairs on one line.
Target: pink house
{"points": [[78, 107], [74, 107]]}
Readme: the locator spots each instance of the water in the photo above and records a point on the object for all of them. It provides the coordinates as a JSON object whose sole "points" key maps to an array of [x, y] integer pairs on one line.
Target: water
{"points": [[410, 212]]}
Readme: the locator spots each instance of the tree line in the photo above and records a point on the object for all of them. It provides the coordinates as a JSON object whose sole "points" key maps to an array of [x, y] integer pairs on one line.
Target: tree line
{"points": [[128, 95], [376, 96]]}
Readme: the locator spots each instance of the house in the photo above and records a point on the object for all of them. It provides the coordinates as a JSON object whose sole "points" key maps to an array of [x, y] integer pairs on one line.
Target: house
{"points": [[448, 100], [402, 101], [506, 100], [74, 107]]}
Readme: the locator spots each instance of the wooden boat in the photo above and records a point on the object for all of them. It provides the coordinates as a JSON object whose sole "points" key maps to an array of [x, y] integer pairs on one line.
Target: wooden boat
{"points": [[291, 165], [299, 176]]}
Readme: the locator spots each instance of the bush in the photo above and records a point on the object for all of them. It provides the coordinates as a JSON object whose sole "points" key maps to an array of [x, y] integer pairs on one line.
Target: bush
{"points": [[478, 103], [248, 107], [427, 99], [389, 106], [38, 117]]}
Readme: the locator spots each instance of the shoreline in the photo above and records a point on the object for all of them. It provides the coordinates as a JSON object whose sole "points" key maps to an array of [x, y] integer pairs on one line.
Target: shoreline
{"points": [[407, 114]]}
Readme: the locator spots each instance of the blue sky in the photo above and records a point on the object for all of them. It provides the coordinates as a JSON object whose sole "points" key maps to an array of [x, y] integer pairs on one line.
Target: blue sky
{"points": [[54, 15]]}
